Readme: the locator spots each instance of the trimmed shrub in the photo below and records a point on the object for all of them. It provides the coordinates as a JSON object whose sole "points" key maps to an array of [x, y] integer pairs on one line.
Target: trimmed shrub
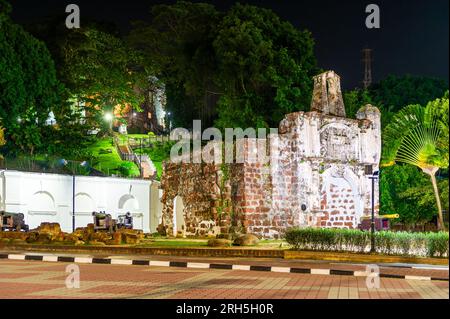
{"points": [[126, 168], [437, 244], [386, 242]]}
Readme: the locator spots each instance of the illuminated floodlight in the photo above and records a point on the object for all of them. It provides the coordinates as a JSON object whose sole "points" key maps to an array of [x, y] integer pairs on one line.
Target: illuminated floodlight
{"points": [[108, 117]]}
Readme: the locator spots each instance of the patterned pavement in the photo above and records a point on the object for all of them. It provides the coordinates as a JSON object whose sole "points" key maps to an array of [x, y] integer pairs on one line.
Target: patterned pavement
{"points": [[34, 280]]}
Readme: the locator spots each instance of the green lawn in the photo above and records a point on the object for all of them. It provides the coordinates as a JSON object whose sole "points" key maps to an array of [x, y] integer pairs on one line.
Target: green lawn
{"points": [[157, 155], [107, 158], [124, 137], [165, 242], [191, 242]]}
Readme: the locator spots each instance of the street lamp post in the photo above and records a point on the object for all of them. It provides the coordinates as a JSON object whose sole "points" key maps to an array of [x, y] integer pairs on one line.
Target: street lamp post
{"points": [[84, 164], [372, 224], [140, 157], [170, 121]]}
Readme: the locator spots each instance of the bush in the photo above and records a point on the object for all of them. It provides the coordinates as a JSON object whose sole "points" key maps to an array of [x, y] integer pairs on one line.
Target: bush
{"points": [[386, 242], [437, 244], [126, 168]]}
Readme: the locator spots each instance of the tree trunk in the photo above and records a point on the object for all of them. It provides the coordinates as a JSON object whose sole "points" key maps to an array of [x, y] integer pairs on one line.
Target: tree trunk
{"points": [[432, 173]]}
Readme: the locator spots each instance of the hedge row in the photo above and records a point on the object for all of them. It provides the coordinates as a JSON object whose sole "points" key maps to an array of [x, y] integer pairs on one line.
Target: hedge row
{"points": [[386, 242]]}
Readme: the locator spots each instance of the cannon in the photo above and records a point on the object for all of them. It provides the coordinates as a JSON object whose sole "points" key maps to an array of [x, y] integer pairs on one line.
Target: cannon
{"points": [[103, 221], [125, 221], [13, 222]]}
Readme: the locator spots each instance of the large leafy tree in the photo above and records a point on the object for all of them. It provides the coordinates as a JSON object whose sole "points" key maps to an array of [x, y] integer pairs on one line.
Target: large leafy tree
{"points": [[98, 69], [394, 92], [405, 190], [354, 99], [419, 136], [177, 46], [245, 67], [29, 89], [265, 67]]}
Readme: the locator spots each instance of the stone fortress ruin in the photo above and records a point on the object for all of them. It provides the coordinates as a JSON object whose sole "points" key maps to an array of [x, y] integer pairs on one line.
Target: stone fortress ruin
{"points": [[317, 177]]}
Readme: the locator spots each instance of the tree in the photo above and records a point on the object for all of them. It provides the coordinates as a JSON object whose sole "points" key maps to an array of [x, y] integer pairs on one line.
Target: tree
{"points": [[394, 92], [354, 99], [245, 67], [2, 139], [265, 68], [419, 136], [177, 47], [29, 89], [406, 191], [98, 69]]}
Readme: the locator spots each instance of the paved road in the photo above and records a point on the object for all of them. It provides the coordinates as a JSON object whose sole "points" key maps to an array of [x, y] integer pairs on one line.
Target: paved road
{"points": [[34, 279]]}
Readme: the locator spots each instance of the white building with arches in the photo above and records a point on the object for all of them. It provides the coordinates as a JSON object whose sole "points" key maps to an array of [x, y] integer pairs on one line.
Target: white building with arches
{"points": [[50, 198]]}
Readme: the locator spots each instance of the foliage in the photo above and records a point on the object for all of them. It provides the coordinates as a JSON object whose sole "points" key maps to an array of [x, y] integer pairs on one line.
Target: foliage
{"points": [[159, 152], [354, 100], [394, 92], [246, 67], [422, 197], [28, 85], [403, 189], [98, 69], [127, 169], [265, 66], [2, 136], [106, 158], [386, 242], [419, 136], [437, 244], [178, 46]]}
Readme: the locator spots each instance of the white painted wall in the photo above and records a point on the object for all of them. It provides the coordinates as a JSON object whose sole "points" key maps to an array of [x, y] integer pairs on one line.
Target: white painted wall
{"points": [[48, 198]]}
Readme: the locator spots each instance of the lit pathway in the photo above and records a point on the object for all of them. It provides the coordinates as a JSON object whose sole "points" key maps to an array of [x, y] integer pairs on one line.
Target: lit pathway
{"points": [[34, 279]]}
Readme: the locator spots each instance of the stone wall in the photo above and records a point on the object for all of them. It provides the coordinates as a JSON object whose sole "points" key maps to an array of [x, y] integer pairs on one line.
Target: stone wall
{"points": [[316, 175]]}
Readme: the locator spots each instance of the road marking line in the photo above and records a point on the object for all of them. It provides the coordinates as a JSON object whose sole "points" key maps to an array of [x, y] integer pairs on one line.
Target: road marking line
{"points": [[50, 258], [316, 271], [281, 269], [417, 278], [16, 257], [83, 260], [159, 263], [197, 265], [240, 267], [320, 271], [360, 274], [121, 262]]}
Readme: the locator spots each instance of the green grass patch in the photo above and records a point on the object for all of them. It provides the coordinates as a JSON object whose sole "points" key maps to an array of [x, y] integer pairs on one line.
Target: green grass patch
{"points": [[164, 242], [107, 158], [158, 153]]}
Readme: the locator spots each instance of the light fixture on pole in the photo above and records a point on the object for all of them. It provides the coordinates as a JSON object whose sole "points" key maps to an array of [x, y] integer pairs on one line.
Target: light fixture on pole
{"points": [[84, 164], [373, 177], [109, 118]]}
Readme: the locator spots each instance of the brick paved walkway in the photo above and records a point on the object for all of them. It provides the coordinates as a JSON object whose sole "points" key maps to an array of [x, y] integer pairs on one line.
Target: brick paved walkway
{"points": [[32, 279]]}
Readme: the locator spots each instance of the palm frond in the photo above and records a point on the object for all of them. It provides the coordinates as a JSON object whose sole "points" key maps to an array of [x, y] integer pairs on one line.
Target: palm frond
{"points": [[414, 136]]}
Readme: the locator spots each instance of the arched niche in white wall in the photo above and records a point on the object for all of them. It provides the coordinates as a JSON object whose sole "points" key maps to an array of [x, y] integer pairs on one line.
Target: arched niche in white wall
{"points": [[42, 203], [344, 178], [84, 204], [129, 203]]}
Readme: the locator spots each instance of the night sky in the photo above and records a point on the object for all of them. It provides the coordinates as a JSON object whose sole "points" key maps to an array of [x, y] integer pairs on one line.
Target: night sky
{"points": [[413, 38]]}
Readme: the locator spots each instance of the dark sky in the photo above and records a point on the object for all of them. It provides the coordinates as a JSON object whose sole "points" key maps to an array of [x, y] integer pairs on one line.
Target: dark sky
{"points": [[413, 37]]}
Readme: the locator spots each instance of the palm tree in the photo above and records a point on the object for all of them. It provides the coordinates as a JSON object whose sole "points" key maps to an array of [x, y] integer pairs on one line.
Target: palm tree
{"points": [[419, 136]]}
